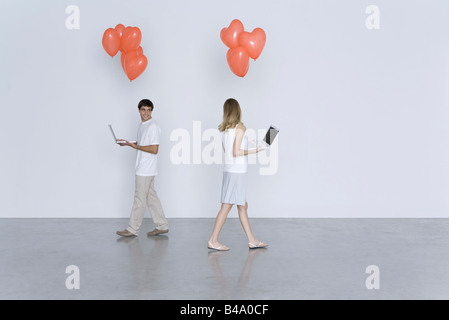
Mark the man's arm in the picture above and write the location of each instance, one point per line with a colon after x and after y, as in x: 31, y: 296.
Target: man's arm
x: 150, y: 149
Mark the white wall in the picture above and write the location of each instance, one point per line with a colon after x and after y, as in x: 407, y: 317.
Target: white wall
x: 363, y: 113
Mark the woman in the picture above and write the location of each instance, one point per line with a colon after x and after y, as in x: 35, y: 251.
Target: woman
x: 233, y: 190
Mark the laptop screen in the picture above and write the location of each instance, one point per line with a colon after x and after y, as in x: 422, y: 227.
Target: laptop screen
x: 270, y: 135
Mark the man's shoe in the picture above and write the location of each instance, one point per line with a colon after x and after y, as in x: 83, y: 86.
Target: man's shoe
x: 156, y: 232
x: 125, y: 233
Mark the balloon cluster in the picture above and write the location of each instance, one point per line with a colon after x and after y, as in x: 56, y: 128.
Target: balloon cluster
x: 127, y: 41
x: 242, y: 46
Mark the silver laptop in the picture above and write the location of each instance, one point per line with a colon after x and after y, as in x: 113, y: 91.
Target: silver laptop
x: 267, y: 140
x: 115, y: 138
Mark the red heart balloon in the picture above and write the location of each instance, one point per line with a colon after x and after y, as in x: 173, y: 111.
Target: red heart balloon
x: 134, y: 64
x: 238, y: 61
x: 139, y: 51
x: 134, y: 53
x: 121, y: 35
x: 111, y: 41
x: 230, y: 35
x: 253, y: 42
x: 130, y: 39
x: 120, y: 29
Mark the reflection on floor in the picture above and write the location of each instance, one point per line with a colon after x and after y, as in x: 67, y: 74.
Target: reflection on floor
x: 306, y: 259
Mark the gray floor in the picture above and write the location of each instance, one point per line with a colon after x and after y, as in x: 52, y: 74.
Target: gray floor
x: 307, y: 259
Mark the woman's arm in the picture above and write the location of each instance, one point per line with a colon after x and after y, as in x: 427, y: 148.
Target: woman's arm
x: 237, y: 149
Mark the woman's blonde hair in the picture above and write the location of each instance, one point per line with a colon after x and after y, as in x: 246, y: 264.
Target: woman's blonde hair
x: 231, y: 115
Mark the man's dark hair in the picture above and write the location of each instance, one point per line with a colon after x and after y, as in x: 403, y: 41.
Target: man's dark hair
x: 145, y: 103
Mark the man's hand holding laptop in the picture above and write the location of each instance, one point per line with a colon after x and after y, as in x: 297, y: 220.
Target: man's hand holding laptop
x: 123, y: 142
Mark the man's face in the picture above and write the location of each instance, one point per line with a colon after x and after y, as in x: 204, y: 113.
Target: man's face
x: 145, y: 113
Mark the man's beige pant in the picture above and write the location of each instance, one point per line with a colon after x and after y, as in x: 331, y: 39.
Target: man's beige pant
x: 144, y: 196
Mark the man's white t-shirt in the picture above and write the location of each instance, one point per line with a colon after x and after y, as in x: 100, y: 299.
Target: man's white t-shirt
x: 148, y: 134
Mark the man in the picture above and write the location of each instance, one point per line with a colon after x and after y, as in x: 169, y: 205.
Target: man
x: 147, y: 147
